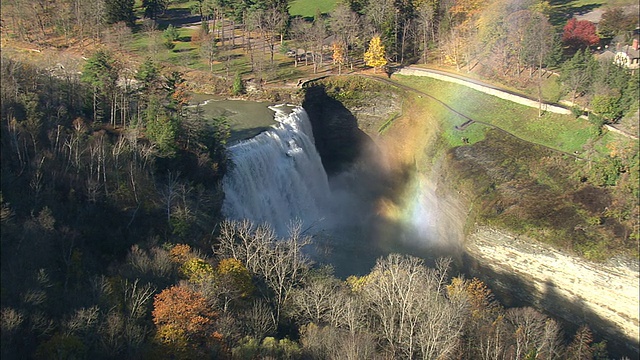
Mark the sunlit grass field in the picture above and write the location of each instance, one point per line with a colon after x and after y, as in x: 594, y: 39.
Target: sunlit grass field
x: 308, y: 8
x: 561, y: 132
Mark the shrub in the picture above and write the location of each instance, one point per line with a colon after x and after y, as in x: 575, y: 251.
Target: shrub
x: 171, y: 33
x: 598, y: 123
x: 238, y: 85
x: 576, y: 110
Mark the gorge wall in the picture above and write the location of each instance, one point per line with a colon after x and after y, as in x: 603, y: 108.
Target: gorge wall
x: 338, y: 137
x: 519, y: 270
x: 524, y: 271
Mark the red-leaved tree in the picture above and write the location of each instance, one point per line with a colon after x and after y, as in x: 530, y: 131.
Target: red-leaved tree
x: 579, y: 34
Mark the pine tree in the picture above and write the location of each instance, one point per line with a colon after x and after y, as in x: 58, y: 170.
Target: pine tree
x: 101, y: 73
x: 120, y: 10
x: 238, y: 85
x: 374, y: 56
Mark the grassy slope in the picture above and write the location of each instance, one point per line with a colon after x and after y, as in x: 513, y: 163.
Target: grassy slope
x: 526, y: 188
x: 561, y: 132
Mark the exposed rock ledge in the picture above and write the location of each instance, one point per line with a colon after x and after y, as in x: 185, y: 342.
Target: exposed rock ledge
x: 575, y: 288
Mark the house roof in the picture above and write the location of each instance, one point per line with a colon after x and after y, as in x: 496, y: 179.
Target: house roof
x: 606, y: 55
x: 630, y: 51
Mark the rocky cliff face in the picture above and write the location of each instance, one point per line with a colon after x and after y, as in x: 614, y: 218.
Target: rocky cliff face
x: 343, y: 130
x: 335, y: 129
x: 521, y: 270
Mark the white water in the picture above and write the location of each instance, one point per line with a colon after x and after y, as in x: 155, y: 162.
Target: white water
x: 277, y: 176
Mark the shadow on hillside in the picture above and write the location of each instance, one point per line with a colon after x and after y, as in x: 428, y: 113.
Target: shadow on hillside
x: 563, y: 10
x: 178, y: 18
x: 185, y: 50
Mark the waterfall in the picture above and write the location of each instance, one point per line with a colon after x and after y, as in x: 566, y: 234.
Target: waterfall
x: 277, y: 176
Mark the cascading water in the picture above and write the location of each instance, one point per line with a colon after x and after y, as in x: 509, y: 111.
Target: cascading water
x: 277, y: 176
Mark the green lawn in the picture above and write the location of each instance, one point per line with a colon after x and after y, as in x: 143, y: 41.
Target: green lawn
x: 561, y: 132
x: 308, y: 8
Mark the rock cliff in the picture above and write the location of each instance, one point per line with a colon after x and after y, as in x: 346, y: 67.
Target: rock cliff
x: 521, y: 270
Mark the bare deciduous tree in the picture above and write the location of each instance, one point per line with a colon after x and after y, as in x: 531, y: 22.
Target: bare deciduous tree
x: 278, y: 262
x: 315, y: 300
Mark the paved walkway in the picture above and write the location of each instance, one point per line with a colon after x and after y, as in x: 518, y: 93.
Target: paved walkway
x: 468, y: 119
x: 483, y: 87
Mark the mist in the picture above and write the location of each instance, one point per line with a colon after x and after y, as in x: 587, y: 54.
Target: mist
x: 380, y: 205
x: 375, y: 205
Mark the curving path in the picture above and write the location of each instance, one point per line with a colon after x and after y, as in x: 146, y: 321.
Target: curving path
x: 485, y: 88
x: 563, y: 108
x: 468, y: 120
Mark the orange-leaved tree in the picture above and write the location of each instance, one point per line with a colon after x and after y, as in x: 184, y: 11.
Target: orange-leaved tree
x: 184, y: 322
x: 375, y: 55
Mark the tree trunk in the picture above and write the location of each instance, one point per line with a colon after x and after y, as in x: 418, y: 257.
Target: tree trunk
x: 425, y: 45
x: 540, y: 88
x: 222, y: 24
x: 94, y: 104
x: 233, y: 34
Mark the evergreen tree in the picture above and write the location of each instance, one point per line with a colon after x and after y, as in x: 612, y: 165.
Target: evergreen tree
x: 161, y: 128
x: 120, y: 10
x: 576, y: 73
x: 149, y: 77
x: 153, y: 8
x: 101, y: 72
x: 238, y: 85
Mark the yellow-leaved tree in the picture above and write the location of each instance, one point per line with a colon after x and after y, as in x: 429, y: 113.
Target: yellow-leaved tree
x: 374, y: 56
x: 339, y: 55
